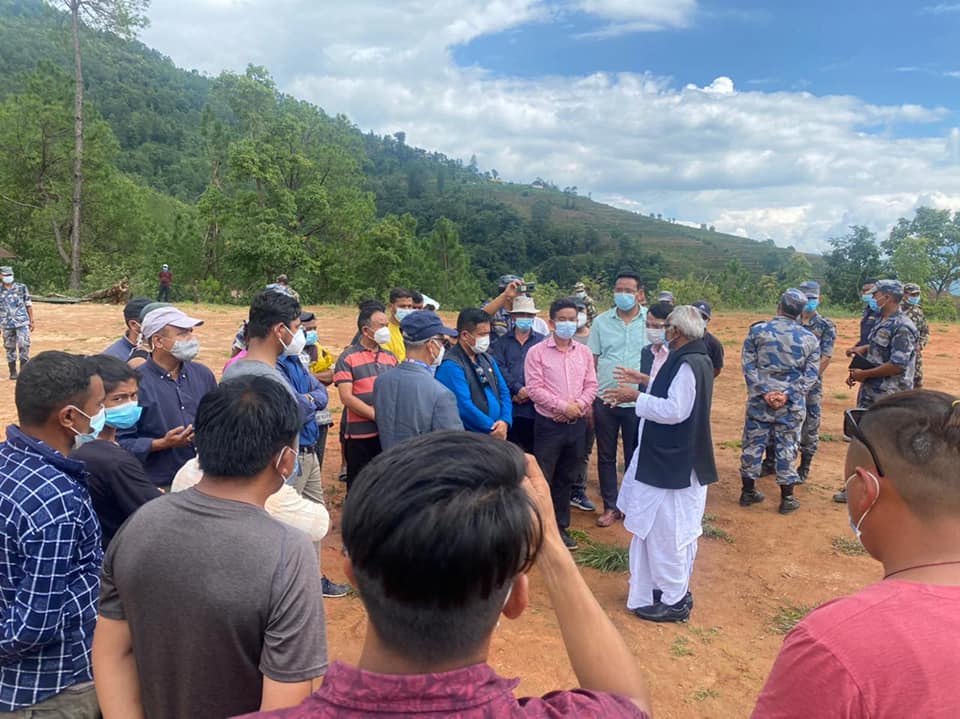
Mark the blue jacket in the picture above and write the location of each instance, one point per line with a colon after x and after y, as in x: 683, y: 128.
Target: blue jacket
x: 451, y: 376
x: 305, y: 384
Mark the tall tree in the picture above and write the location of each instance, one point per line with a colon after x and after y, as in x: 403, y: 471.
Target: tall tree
x: 854, y: 258
x: 121, y: 17
x: 941, y: 230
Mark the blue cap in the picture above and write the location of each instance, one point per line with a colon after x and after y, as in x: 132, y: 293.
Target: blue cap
x: 704, y: 308
x: 811, y: 289
x: 422, y: 325
x: 890, y: 287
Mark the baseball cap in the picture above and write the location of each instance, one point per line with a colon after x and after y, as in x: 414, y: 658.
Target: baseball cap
x: 507, y: 279
x: 6, y: 270
x: 793, y: 301
x: 151, y: 307
x: 811, y: 289
x: 422, y: 325
x: 665, y: 296
x: 156, y: 320
x: 579, y: 287
x: 893, y: 287
x: 704, y: 307
x: 133, y: 308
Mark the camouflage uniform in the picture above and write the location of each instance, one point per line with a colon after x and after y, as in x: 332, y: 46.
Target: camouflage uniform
x: 894, y: 340
x: 779, y: 355
x: 826, y: 333
x: 14, y: 300
x: 923, y: 336
x: 587, y: 300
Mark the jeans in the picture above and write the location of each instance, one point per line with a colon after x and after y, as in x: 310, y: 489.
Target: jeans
x: 609, y: 424
x: 559, y: 449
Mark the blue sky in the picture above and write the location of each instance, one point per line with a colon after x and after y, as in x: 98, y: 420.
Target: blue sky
x: 789, y: 120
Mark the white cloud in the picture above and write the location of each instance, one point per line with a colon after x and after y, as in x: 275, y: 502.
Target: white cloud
x: 788, y: 165
x: 942, y: 8
x: 630, y: 16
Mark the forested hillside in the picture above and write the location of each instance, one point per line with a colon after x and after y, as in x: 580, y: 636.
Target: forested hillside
x: 231, y: 181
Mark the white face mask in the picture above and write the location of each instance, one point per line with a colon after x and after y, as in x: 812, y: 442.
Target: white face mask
x: 296, y: 345
x: 185, y: 350
x: 439, y: 358
x: 8, y: 279
x: 855, y: 526
x: 481, y: 344
x: 656, y: 336
x: 382, y: 336
x: 581, y: 320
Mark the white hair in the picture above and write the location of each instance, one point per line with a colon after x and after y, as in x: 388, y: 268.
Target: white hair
x: 688, y: 321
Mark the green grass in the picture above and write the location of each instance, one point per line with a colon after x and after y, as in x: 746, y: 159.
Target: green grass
x: 702, y: 695
x: 711, y: 531
x: 705, y: 635
x: 829, y: 438
x: 681, y: 647
x: 709, y: 517
x: 579, y: 535
x: 731, y: 444
x: 841, y: 396
x: 850, y: 547
x: 788, y: 616
x: 604, y: 557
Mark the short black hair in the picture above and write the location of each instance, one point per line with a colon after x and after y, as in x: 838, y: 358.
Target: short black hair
x: 437, y: 529
x: 564, y: 303
x: 269, y: 308
x: 469, y: 318
x: 366, y: 312
x: 630, y: 275
x: 242, y: 424
x: 367, y: 302
x: 113, y: 371
x: 48, y: 383
x: 400, y: 293
x: 661, y: 310
x: 417, y: 297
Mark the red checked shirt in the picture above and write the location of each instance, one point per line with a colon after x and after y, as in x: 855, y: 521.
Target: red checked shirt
x: 556, y: 376
x: 474, y: 692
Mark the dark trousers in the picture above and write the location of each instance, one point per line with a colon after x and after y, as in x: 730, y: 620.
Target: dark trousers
x: 521, y: 433
x: 559, y: 450
x: 581, y: 481
x: 359, y: 452
x: 163, y: 293
x: 609, y: 424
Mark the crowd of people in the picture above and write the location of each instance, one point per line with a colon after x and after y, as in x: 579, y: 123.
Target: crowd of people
x: 465, y: 449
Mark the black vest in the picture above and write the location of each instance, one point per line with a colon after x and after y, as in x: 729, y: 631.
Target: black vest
x: 668, y: 452
x: 473, y: 371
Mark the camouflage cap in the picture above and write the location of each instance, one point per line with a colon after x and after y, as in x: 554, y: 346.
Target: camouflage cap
x: 911, y: 288
x: 811, y: 289
x: 793, y: 301
x: 579, y: 287
x: 892, y: 287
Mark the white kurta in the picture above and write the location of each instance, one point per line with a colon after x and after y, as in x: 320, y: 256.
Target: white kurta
x: 666, y: 523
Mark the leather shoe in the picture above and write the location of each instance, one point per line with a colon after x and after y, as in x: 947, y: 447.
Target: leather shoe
x: 840, y: 497
x: 750, y: 496
x: 789, y: 504
x: 609, y: 517
x: 660, y: 612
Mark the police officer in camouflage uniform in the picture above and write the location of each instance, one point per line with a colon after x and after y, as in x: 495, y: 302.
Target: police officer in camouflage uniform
x: 781, y: 365
x: 580, y: 292
x: 892, y: 350
x: 826, y: 333
x: 911, y: 308
x: 16, y: 318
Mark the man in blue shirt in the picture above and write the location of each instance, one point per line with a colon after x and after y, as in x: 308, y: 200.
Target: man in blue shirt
x: 483, y: 396
x: 50, y: 552
x: 124, y: 347
x: 171, y: 388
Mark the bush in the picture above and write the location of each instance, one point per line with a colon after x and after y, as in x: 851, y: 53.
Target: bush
x: 942, y: 310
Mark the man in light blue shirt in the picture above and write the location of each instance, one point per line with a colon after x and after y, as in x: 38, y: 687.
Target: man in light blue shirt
x: 616, y: 340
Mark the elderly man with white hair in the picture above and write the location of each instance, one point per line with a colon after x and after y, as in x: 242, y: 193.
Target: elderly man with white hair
x: 664, y: 490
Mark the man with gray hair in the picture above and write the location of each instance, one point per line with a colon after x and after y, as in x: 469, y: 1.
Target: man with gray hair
x: 407, y: 400
x: 664, y: 490
x: 781, y: 365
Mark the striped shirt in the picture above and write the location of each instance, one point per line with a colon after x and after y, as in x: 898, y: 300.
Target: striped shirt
x: 50, y: 559
x: 361, y: 367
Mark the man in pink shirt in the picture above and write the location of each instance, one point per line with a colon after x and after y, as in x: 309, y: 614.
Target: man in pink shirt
x: 562, y: 384
x: 890, y: 650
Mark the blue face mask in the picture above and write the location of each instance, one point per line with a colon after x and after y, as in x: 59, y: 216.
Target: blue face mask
x: 566, y: 329
x: 96, y: 426
x: 404, y: 313
x: 811, y: 306
x: 123, y: 416
x: 311, y: 337
x: 913, y: 300
x: 524, y: 324
x: 625, y: 301
x: 873, y: 305
x: 866, y: 298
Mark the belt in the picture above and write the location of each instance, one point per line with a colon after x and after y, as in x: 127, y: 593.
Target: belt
x: 309, y: 449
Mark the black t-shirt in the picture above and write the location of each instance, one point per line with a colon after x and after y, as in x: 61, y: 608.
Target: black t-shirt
x: 714, y: 349
x: 117, y: 483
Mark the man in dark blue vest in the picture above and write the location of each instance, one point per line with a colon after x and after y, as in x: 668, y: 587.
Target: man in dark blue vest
x: 664, y: 490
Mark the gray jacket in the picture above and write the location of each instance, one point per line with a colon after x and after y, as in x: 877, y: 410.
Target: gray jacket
x: 410, y: 402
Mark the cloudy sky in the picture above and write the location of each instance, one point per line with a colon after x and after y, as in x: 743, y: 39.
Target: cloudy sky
x: 790, y: 123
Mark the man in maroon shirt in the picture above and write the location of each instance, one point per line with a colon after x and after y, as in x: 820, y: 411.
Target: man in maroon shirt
x: 890, y: 650
x: 166, y: 278
x: 440, y: 533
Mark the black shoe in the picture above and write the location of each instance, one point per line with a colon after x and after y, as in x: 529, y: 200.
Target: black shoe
x: 788, y: 504
x: 803, y: 471
x: 342, y: 477
x: 688, y: 600
x: 13, y: 369
x: 660, y: 612
x: 568, y: 541
x: 840, y: 497
x: 580, y: 500
x: 332, y: 590
x: 750, y: 496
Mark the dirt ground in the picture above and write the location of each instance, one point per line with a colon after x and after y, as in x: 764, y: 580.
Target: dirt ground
x: 769, y: 566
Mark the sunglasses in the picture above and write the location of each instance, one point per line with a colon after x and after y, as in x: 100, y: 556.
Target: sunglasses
x: 851, y: 428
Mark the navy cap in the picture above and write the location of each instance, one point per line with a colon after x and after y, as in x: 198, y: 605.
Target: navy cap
x: 793, y: 301
x: 134, y: 307
x: 422, y: 325
x: 811, y: 289
x: 891, y: 287
x: 704, y: 308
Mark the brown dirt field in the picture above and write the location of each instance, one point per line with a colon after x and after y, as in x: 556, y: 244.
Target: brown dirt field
x: 713, y: 666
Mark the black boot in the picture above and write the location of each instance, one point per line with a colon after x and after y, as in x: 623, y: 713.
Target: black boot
x: 13, y: 369
x: 788, y: 503
x: 804, y: 469
x: 749, y: 495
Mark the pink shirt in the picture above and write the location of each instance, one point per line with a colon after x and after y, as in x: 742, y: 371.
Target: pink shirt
x: 557, y: 376
x: 659, y: 357
x: 236, y: 358
x: 887, y: 652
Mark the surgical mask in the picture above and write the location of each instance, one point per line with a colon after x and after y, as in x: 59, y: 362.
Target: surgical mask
x: 581, y: 319
x: 481, y: 344
x: 913, y: 300
x: 566, y: 329
x: 656, y: 335
x: 96, y: 426
x: 873, y: 305
x: 402, y: 314
x: 185, y: 350
x: 439, y: 358
x: 382, y: 336
x: 625, y: 301
x: 296, y: 345
x: 123, y: 416
x: 581, y: 295
x: 311, y: 337
x: 524, y: 324
x: 855, y: 526
x: 292, y: 478
x: 811, y: 306
x: 8, y: 279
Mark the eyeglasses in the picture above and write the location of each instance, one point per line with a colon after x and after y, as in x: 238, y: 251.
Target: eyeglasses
x: 851, y: 428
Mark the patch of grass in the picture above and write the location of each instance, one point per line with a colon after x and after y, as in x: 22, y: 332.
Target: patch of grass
x: 702, y: 695
x: 731, y: 444
x: 841, y: 396
x: 731, y: 343
x: 788, y: 616
x: 711, y: 531
x: 829, y: 438
x: 944, y: 354
x: 850, y: 547
x: 709, y: 518
x: 604, y: 557
x: 705, y: 635
x: 579, y: 535
x: 681, y: 647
